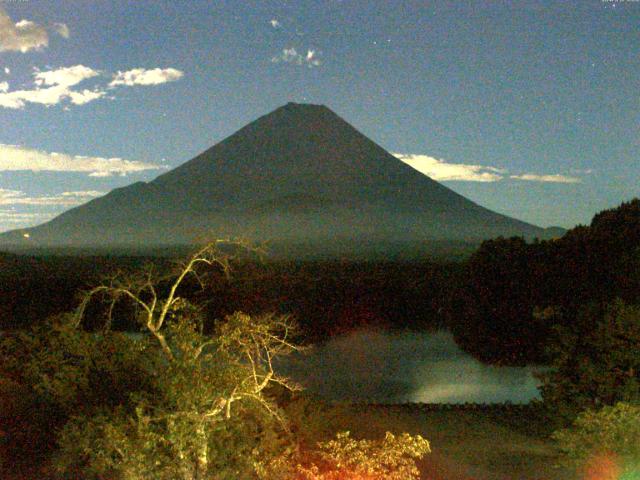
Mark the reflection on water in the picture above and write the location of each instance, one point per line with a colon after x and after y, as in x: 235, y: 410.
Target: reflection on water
x: 392, y: 367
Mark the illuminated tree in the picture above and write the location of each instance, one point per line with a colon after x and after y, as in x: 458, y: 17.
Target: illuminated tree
x: 344, y: 458
x: 171, y: 402
x: 609, y: 437
x: 175, y: 401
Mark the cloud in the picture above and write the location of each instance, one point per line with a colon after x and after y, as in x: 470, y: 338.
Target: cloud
x: 11, y: 216
x: 61, y: 29
x: 17, y: 158
x: 66, y: 76
x: 291, y: 55
x: 21, y: 36
x: 83, y: 193
x: 18, y: 197
x: 85, y: 96
x: 141, y: 76
x: 52, y: 87
x: 441, y: 170
x: 554, y: 178
x: 274, y: 23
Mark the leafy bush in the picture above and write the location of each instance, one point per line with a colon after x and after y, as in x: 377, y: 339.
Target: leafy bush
x: 344, y: 458
x: 611, y: 433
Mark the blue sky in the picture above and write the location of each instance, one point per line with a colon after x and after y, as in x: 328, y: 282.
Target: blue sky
x: 530, y: 108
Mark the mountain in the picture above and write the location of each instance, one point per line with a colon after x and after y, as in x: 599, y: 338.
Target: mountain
x: 298, y: 175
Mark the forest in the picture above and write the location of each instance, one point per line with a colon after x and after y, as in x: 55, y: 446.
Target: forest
x: 571, y: 303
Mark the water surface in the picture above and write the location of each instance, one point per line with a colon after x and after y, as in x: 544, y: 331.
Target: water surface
x: 398, y: 367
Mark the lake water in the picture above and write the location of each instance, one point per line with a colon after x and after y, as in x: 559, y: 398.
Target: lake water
x: 399, y: 367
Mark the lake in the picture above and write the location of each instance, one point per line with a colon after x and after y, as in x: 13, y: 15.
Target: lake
x: 398, y: 367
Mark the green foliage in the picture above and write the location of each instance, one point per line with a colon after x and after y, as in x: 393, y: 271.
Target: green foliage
x: 613, y: 431
x: 344, y: 458
x: 596, y: 363
x: 173, y: 401
x: 203, y: 411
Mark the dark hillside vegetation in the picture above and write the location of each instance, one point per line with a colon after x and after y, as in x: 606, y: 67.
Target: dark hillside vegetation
x: 516, y: 292
x: 326, y: 297
x: 502, y: 302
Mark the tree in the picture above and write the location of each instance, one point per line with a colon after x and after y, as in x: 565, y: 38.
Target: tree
x: 606, y: 438
x: 171, y: 402
x: 345, y: 458
x: 595, y: 361
x: 175, y: 401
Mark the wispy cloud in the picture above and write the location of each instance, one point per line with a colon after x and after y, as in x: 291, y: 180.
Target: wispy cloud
x: 18, y: 197
x: 444, y: 171
x: 4, y: 86
x: 291, y: 55
x: 141, y: 76
x: 22, y: 36
x: 553, y: 178
x: 18, y: 158
x: 274, y: 23
x: 83, y: 193
x: 12, y: 218
x: 17, y: 207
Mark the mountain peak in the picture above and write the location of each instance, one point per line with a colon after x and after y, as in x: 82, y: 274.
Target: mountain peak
x: 300, y: 173
x: 304, y: 106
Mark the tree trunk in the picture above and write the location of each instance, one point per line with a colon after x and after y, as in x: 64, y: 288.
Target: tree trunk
x: 202, y: 458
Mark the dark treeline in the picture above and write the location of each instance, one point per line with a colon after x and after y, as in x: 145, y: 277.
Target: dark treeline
x: 516, y: 293
x: 501, y: 302
x: 325, y: 297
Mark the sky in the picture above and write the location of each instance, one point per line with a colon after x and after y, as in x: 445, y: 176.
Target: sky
x: 529, y: 108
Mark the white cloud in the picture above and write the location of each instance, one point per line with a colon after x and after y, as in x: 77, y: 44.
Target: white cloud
x: 61, y: 29
x: 274, y: 23
x: 554, y: 178
x: 17, y: 158
x: 13, y: 216
x: 83, y: 193
x: 85, y: 96
x: 52, y: 87
x: 441, y: 170
x: 17, y: 197
x: 291, y: 55
x: 7, y: 70
x: 49, y: 206
x: 21, y: 36
x: 66, y: 76
x: 141, y: 76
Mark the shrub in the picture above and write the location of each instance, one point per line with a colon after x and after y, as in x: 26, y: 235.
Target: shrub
x: 610, y: 435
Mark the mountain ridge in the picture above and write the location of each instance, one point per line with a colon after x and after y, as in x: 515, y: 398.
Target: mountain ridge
x: 298, y: 173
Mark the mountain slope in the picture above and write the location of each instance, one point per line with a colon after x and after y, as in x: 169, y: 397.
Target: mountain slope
x: 298, y: 174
